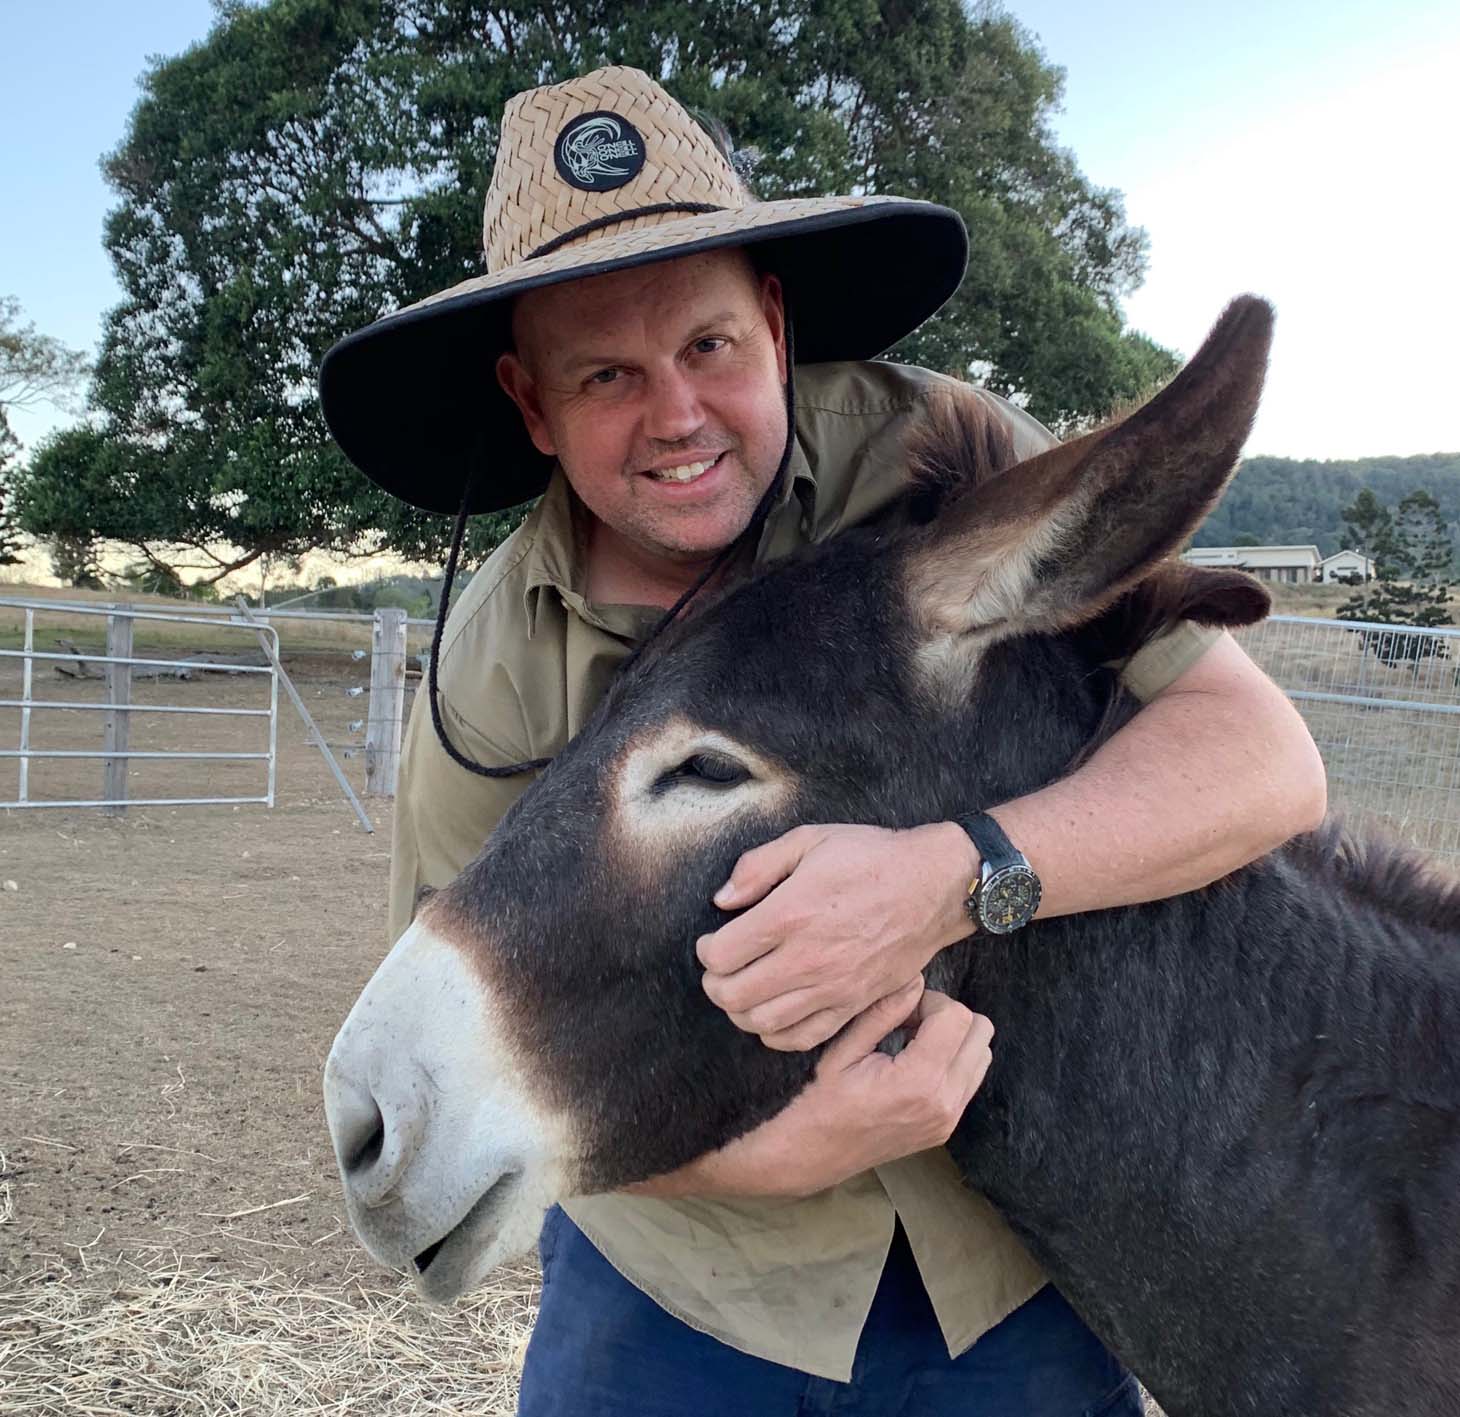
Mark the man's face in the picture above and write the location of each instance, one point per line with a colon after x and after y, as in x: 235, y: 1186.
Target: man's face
x: 661, y: 390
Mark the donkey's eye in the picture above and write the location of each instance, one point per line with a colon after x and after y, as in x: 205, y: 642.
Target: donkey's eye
x: 709, y: 769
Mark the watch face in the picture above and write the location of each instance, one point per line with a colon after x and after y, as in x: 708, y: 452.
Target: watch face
x: 1008, y: 899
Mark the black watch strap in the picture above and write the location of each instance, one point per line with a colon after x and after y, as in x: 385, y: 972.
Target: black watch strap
x: 994, y: 847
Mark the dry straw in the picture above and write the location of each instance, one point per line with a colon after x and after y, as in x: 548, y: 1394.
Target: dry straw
x: 7, y: 1198
x: 174, y: 1341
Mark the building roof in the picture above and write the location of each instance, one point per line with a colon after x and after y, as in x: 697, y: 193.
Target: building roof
x: 1253, y: 555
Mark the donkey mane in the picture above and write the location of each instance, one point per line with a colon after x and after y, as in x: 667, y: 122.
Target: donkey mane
x: 955, y: 445
x: 1413, y: 888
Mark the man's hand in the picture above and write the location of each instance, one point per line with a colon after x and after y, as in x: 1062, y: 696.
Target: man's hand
x: 846, y: 915
x: 863, y: 1108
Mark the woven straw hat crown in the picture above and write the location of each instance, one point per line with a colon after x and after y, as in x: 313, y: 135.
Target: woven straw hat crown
x: 658, y: 157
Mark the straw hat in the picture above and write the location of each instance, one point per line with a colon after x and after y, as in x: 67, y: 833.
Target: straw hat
x: 599, y: 174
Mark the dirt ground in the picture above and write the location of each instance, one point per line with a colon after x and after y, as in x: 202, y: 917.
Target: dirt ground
x: 170, y: 983
x: 173, y: 978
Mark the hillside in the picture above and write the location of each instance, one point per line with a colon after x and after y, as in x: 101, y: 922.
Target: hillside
x: 1294, y: 502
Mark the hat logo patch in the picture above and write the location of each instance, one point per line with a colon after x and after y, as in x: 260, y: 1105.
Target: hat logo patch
x: 598, y: 151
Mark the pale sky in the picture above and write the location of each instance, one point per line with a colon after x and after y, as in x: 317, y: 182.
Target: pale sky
x: 1307, y: 150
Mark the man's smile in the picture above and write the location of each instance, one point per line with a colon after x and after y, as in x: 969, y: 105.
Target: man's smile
x: 687, y: 471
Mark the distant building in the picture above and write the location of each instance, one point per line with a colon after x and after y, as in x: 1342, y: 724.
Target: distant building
x: 1297, y: 565
x: 1346, y: 563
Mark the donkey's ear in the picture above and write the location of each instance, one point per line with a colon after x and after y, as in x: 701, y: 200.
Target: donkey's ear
x: 1054, y: 540
x: 1174, y: 591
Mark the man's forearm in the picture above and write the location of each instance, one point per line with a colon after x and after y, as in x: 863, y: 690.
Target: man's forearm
x: 1210, y: 775
x: 703, y: 1177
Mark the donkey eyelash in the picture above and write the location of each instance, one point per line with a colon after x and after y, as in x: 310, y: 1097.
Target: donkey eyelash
x: 709, y: 769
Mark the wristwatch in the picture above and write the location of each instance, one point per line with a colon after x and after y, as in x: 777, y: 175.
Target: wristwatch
x: 1006, y: 893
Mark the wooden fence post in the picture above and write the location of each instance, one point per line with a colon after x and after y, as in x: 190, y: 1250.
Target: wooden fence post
x: 387, y: 702
x: 117, y: 727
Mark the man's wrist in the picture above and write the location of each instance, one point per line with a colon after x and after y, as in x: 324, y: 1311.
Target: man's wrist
x: 957, y: 866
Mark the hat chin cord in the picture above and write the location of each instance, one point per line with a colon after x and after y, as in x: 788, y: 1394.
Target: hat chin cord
x: 747, y: 537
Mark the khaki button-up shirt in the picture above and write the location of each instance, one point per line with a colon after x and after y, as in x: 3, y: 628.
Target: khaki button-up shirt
x: 525, y: 659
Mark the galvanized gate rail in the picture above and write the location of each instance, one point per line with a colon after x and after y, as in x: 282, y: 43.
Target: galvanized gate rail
x: 1382, y: 701
x: 114, y: 752
x: 1383, y: 705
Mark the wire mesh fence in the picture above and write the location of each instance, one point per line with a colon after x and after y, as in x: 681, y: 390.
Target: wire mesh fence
x: 1383, y: 705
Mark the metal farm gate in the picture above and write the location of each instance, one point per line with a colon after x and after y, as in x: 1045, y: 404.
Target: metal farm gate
x: 117, y: 669
x: 1382, y: 702
x: 1383, y: 705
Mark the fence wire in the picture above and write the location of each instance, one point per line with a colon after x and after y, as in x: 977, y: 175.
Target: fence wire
x: 1383, y: 705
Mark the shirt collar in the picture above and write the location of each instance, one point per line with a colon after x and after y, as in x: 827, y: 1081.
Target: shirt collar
x: 553, y: 560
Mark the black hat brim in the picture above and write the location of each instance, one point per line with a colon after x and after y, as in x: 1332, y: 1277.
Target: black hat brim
x: 413, y: 399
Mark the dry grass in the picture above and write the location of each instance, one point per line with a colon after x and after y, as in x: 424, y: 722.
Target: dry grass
x: 7, y: 1196
x: 172, y: 1338
x: 171, y: 1341
x: 1319, y: 601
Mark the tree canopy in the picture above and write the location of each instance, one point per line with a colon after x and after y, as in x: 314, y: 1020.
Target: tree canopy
x: 1294, y: 501
x: 34, y: 368
x: 314, y: 164
x: 1413, y: 551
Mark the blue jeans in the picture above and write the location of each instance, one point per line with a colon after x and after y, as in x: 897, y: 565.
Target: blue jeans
x: 603, y: 1349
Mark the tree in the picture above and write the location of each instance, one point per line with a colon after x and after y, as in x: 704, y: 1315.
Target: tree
x: 313, y: 164
x: 1413, y: 552
x: 1288, y: 501
x: 34, y: 368
x: 10, y: 543
x: 1371, y: 533
x: 1425, y: 552
x: 75, y: 562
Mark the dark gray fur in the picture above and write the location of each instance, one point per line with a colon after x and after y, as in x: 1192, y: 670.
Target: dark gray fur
x: 1227, y: 1124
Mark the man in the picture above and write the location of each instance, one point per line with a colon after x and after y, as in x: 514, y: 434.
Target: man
x: 629, y: 351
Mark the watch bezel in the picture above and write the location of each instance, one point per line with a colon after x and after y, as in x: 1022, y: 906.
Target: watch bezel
x: 1000, y: 876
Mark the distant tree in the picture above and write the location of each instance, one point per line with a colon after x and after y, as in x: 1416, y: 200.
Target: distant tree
x: 151, y: 579
x: 1426, y: 552
x: 1246, y: 538
x: 1370, y: 531
x: 313, y: 164
x: 10, y: 538
x: 1413, y: 552
x: 76, y: 561
x: 1290, y: 501
x: 34, y: 368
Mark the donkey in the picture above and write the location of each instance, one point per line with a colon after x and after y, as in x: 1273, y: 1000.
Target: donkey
x: 1227, y: 1124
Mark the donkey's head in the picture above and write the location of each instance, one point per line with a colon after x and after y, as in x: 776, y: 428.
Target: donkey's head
x: 540, y: 1030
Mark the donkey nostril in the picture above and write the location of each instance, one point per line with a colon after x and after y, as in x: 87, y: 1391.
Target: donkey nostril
x: 367, y: 1153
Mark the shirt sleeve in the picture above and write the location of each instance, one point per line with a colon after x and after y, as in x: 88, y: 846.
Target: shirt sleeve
x: 443, y: 813
x: 1160, y: 662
